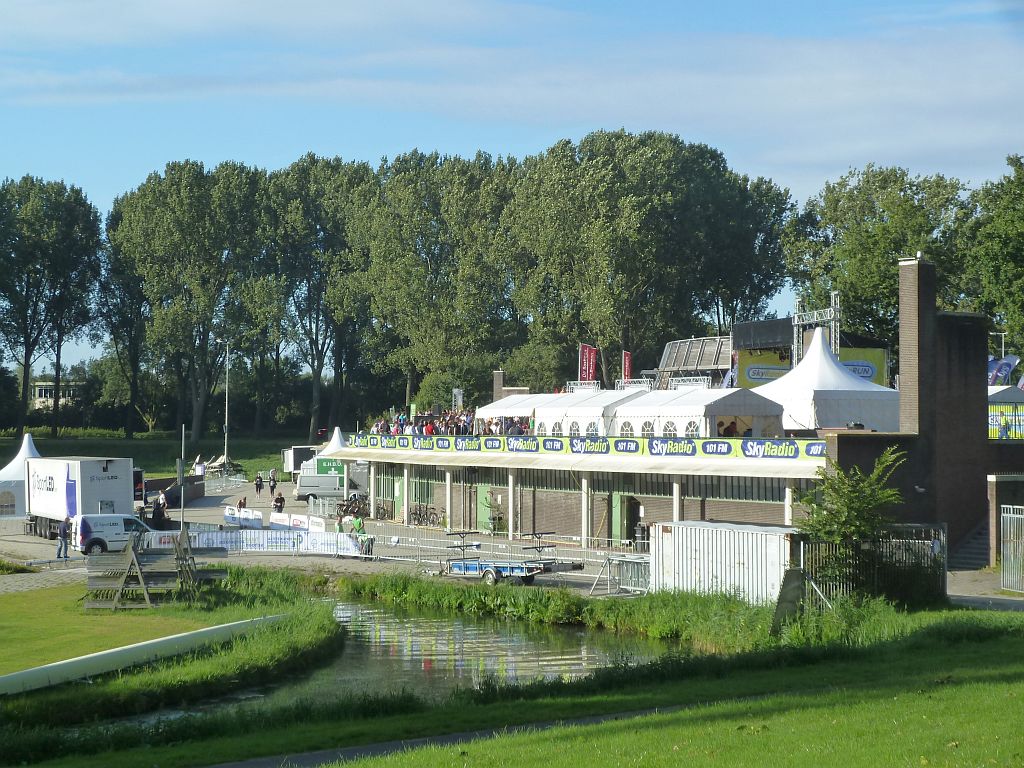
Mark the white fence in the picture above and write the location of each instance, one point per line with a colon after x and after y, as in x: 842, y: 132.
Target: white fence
x: 1012, y: 549
x: 284, y: 542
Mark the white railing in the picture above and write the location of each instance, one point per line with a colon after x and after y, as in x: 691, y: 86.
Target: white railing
x: 643, y: 383
x: 221, y: 483
x: 582, y: 386
x: 685, y: 382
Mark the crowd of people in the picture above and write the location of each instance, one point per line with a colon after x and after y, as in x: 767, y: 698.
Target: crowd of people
x: 449, y: 422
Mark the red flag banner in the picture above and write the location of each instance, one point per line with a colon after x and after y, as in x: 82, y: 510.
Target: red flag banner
x: 627, y: 365
x: 591, y: 364
x: 584, y: 361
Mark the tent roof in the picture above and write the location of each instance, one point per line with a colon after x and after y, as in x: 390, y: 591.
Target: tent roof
x: 821, y: 392
x: 819, y: 371
x: 513, y: 405
x: 336, y: 442
x: 15, y: 470
x: 1005, y: 395
x: 741, y: 402
x: 586, y: 405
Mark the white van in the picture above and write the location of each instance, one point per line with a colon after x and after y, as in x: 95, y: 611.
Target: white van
x: 94, y: 534
x: 318, y: 487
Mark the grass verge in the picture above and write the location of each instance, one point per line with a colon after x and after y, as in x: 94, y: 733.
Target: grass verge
x: 818, y: 706
x: 277, y: 649
x: 7, y: 568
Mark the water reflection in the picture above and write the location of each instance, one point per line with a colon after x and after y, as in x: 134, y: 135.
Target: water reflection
x: 430, y: 655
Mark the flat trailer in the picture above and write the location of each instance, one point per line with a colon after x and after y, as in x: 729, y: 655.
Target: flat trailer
x: 492, y: 571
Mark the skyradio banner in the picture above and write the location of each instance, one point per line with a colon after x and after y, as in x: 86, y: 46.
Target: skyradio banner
x: 660, y: 447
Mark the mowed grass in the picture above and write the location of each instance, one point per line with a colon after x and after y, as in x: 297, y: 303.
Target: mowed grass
x: 922, y: 701
x: 157, y: 456
x: 46, y: 625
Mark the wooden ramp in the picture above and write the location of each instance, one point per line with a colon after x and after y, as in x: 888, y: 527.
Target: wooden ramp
x: 142, y: 578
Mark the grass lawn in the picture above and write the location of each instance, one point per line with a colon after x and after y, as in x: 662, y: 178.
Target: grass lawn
x: 157, y: 456
x: 46, y: 625
x: 925, y: 700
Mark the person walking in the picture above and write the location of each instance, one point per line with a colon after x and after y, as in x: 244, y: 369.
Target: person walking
x: 272, y: 485
x: 63, y: 532
x: 259, y: 485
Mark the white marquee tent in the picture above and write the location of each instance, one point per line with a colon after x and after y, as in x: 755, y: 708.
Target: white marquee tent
x: 582, y: 413
x: 12, y: 480
x: 696, y: 412
x: 336, y: 442
x: 821, y: 392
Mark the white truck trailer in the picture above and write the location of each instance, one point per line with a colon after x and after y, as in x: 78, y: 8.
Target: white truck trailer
x: 292, y: 458
x: 76, y: 485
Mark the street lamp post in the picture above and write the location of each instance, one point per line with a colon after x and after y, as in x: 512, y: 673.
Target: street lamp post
x: 227, y: 373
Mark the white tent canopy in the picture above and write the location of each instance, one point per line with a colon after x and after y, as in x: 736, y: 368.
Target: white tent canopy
x: 582, y: 413
x: 336, y: 442
x: 821, y: 392
x: 696, y: 412
x: 12, y: 479
x: 1005, y: 395
x: 513, y: 406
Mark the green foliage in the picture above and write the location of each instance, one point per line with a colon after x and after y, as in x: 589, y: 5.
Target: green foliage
x: 850, y: 504
x: 6, y: 567
x: 993, y: 237
x: 850, y: 237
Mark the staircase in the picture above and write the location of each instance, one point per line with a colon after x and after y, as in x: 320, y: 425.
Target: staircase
x: 972, y: 554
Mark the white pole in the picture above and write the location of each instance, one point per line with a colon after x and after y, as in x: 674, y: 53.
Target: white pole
x: 787, y: 514
x: 372, y: 490
x: 677, y: 494
x: 585, y: 510
x: 448, y: 499
x: 227, y: 371
x: 511, y: 502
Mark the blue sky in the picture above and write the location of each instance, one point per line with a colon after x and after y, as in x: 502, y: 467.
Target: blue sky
x: 101, y: 93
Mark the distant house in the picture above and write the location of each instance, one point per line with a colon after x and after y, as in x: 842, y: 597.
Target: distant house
x: 42, y: 394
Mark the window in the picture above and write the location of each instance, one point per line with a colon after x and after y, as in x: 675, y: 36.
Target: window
x: 540, y: 428
x: 669, y: 430
x: 692, y: 429
x: 647, y: 430
x: 574, y: 429
x: 592, y: 429
x: 626, y: 430
x: 556, y: 429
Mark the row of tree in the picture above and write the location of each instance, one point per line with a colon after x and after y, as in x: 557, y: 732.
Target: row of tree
x: 429, y: 272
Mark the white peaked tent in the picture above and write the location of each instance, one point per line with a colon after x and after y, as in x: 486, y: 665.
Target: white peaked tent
x: 12, y: 479
x: 821, y: 392
x: 336, y: 443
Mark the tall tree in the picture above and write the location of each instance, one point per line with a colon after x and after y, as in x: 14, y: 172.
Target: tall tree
x: 187, y: 231
x: 307, y: 237
x: 53, y: 225
x: 621, y: 242
x: 850, y: 237
x: 993, y: 237
x: 74, y: 267
x: 122, y: 313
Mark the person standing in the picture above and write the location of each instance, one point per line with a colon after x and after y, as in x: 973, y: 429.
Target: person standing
x: 63, y: 531
x: 272, y: 485
x: 259, y: 485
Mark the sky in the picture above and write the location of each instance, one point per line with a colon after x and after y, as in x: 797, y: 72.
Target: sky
x: 101, y: 93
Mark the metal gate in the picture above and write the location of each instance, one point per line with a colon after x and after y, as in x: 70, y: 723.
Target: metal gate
x: 1012, y: 549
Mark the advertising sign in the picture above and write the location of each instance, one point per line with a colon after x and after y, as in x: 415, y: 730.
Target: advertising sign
x: 583, y: 445
x: 329, y: 466
x: 52, y: 487
x: 627, y: 364
x: 871, y: 364
x: 757, y: 366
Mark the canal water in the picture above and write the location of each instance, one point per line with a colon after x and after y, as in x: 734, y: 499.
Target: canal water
x: 429, y: 655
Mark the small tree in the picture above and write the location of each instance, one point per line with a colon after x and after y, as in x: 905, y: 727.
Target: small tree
x: 849, y: 504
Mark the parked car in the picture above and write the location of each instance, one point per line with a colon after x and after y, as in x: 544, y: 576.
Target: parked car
x: 95, y: 534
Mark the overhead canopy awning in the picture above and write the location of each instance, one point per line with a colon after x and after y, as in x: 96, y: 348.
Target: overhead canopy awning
x: 668, y: 465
